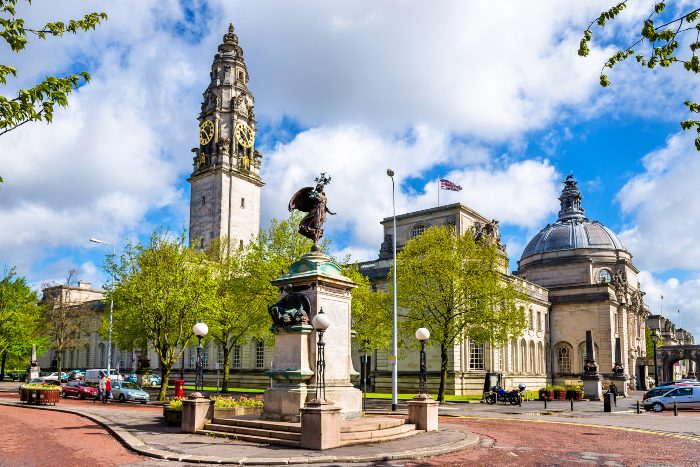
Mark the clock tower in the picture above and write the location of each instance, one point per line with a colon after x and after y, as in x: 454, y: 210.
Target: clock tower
x: 225, y: 181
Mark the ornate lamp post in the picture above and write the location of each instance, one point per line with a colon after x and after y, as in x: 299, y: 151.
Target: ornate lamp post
x: 200, y: 330
x: 320, y: 322
x: 655, y: 339
x: 422, y: 334
x: 111, y: 309
x: 395, y: 351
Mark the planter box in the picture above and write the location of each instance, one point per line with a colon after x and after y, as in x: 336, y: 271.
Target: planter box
x: 172, y: 417
x: 22, y: 395
x: 575, y: 395
x: 549, y: 395
x: 560, y: 395
x: 236, y: 412
x: 40, y: 396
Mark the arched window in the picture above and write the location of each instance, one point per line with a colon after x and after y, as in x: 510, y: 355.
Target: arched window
x: 563, y: 353
x: 540, y: 359
x: 522, y: 357
x: 532, y: 367
x: 511, y: 356
x: 417, y: 230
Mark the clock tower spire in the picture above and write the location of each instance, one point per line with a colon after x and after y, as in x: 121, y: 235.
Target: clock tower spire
x: 225, y: 181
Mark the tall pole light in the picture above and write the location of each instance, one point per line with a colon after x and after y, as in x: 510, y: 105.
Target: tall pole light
x: 422, y: 334
x: 320, y: 322
x: 655, y: 339
x: 200, y: 330
x: 395, y: 351
x: 111, y: 310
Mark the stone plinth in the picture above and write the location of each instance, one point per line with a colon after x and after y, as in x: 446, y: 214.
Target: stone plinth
x: 290, y: 371
x: 620, y: 381
x: 423, y: 412
x: 196, y: 412
x: 592, y: 386
x: 320, y: 425
x: 319, y: 278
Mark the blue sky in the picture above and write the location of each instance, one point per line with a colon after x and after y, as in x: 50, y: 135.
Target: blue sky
x: 500, y: 104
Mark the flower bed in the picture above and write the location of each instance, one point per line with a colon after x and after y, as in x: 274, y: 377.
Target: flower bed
x: 229, y: 407
x: 547, y: 393
x: 559, y: 393
x: 39, y: 393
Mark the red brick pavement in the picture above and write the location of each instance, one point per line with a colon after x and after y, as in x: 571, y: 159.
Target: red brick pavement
x: 44, y: 438
x: 516, y: 443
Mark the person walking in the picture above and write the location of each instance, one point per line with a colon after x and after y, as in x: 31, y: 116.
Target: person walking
x: 100, y: 387
x: 108, y: 390
x: 613, y: 391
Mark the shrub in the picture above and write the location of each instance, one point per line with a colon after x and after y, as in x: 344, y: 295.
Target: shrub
x: 47, y: 387
x: 558, y: 388
x: 175, y: 404
x: 221, y: 402
x: 574, y: 387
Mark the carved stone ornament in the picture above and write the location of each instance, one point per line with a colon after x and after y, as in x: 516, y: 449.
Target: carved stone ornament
x: 291, y: 309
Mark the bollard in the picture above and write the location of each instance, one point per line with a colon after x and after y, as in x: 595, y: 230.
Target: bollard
x: 675, y: 409
x: 572, y: 404
x: 638, y: 412
x: 520, y: 401
x: 545, y: 402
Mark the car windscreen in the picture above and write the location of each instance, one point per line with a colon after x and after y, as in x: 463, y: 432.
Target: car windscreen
x: 128, y: 385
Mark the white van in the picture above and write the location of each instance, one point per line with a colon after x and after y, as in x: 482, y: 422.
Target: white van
x: 93, y: 376
x: 685, y: 397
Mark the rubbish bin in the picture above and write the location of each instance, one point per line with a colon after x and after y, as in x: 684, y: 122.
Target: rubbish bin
x: 179, y: 388
x: 608, y: 402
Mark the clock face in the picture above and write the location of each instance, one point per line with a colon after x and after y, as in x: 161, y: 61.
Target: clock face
x: 206, y: 132
x: 244, y: 134
x: 603, y: 276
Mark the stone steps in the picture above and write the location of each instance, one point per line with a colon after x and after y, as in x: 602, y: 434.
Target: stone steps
x: 359, y: 431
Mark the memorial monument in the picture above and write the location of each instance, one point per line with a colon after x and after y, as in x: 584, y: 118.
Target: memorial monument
x: 312, y: 283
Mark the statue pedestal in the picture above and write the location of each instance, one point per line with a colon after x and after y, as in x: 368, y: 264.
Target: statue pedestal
x: 620, y: 381
x: 34, y: 372
x: 290, y: 372
x: 319, y: 279
x: 592, y: 386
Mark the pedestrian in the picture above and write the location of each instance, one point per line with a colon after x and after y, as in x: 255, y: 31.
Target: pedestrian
x: 613, y: 391
x: 108, y: 390
x: 100, y: 387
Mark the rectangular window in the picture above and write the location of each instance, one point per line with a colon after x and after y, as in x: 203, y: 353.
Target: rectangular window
x: 242, y: 203
x: 192, y: 361
x: 205, y: 357
x: 220, y: 356
x: 260, y: 354
x: 539, y: 322
x: 476, y: 356
x: 237, y: 356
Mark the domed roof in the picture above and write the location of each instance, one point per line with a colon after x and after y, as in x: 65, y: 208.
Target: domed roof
x: 572, y: 229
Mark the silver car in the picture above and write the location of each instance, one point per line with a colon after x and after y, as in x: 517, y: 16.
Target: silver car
x: 128, y: 391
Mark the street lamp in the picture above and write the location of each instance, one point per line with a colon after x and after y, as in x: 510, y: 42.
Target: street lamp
x: 320, y: 322
x: 111, y: 309
x: 655, y: 339
x: 395, y: 351
x: 200, y: 330
x: 422, y: 334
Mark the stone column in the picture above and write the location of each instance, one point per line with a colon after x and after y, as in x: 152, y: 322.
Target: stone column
x: 423, y: 412
x: 319, y: 278
x: 320, y: 425
x: 196, y: 412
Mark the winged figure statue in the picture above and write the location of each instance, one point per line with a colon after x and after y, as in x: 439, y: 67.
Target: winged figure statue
x: 312, y: 200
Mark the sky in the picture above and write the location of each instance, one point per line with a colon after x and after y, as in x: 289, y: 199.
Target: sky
x: 497, y: 101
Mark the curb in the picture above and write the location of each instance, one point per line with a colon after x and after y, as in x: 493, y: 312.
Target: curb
x: 132, y: 443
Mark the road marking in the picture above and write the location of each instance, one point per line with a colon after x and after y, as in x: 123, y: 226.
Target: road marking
x: 589, y: 425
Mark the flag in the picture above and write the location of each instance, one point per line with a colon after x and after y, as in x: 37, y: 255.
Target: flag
x: 448, y: 185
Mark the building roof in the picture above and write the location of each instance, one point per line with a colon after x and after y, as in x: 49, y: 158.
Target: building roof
x: 572, y: 229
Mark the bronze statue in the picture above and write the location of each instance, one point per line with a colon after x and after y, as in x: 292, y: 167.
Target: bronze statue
x: 312, y: 200
x: 291, y: 309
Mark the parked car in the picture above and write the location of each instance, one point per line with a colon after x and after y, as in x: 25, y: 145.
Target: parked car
x: 657, y: 391
x: 131, y: 377
x: 127, y: 391
x: 76, y: 374
x: 79, y: 389
x: 54, y: 376
x: 154, y: 380
x: 684, y: 397
x: 93, y: 376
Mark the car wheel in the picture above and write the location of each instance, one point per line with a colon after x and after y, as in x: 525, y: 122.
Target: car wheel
x: 122, y: 398
x: 81, y: 396
x: 657, y: 407
x: 144, y: 402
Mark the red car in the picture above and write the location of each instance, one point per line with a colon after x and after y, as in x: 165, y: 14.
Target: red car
x: 79, y: 389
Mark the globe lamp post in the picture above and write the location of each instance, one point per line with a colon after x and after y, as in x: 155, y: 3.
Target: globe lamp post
x: 395, y: 351
x: 111, y: 310
x: 320, y: 322
x: 200, y: 330
x: 655, y: 339
x: 422, y: 334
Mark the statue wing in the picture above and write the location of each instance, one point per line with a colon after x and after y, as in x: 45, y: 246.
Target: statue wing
x: 303, y: 200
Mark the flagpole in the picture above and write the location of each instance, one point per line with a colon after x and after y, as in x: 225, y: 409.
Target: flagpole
x: 438, y: 191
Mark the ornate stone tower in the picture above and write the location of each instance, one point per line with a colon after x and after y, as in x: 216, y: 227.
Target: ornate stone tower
x: 225, y: 181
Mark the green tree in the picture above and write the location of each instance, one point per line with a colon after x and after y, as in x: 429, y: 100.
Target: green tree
x: 160, y: 291
x: 455, y: 287
x: 657, y: 45
x: 20, y: 321
x: 68, y: 322
x: 37, y: 103
x: 371, y: 312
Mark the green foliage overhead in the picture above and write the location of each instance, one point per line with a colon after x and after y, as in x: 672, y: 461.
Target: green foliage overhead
x: 37, y: 102
x: 453, y: 285
x: 160, y: 290
x: 21, y: 320
x: 657, y: 45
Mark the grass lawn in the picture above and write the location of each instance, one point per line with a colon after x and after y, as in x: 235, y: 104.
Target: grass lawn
x: 214, y: 389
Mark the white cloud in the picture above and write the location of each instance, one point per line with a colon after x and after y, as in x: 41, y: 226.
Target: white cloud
x: 683, y: 295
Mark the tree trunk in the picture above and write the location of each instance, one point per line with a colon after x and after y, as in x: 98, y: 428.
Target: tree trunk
x: 2, y: 366
x: 164, y: 380
x: 227, y: 367
x: 59, y: 365
x: 443, y: 372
